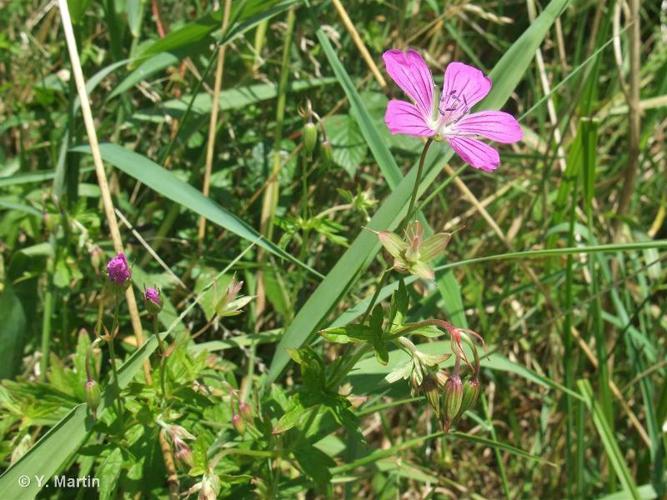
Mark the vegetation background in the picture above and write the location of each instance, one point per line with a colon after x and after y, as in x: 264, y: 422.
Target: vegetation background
x: 556, y: 259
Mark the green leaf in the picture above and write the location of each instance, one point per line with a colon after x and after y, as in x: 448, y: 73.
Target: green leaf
x: 349, y: 147
x: 13, y: 332
x: 314, y: 462
x: 168, y: 185
x: 506, y: 75
x: 77, y: 8
x: 291, y: 418
x: 108, y: 473
x: 348, y: 334
x: 195, y: 36
x: 609, y: 441
x: 236, y: 98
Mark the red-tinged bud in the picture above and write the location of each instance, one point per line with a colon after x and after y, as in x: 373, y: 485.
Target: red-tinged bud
x: 93, y: 395
x: 238, y: 423
x: 245, y: 410
x: 309, y: 137
x: 453, y: 398
x: 183, y: 452
x: 471, y: 389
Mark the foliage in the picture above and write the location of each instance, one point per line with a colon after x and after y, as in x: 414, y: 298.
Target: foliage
x: 362, y: 314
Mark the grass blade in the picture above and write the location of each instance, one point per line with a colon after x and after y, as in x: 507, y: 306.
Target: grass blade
x: 167, y: 184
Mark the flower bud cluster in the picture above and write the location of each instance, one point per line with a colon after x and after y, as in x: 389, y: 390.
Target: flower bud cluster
x: 450, y: 394
x: 178, y: 436
x: 243, y: 417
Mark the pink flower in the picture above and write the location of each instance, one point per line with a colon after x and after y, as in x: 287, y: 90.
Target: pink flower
x: 464, y: 86
x: 119, y: 270
x: 153, y: 300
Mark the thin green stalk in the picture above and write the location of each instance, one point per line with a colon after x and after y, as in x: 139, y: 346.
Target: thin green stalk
x: 499, y: 457
x: 435, y: 192
x: 271, y: 193
x: 420, y: 170
x: 163, y: 360
x: 46, y: 319
x: 112, y: 355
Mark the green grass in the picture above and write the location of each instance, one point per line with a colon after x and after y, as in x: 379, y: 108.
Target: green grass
x: 567, y: 290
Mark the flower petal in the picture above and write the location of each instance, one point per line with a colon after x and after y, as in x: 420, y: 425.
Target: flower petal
x: 495, y: 125
x: 411, y: 73
x: 404, y: 118
x: 475, y: 152
x: 463, y: 87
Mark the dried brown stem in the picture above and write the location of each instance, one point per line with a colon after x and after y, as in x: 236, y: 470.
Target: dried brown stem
x: 107, y: 202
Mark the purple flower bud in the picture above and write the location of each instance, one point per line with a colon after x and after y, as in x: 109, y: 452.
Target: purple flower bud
x: 119, y: 271
x: 153, y: 300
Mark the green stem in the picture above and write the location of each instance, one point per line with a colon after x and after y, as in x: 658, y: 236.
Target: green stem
x: 420, y: 170
x: 46, y: 319
x: 163, y: 360
x: 112, y: 354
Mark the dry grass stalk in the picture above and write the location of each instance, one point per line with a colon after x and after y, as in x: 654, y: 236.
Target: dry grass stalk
x: 107, y: 202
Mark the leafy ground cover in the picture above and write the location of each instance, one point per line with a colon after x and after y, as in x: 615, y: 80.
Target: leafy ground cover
x: 232, y: 265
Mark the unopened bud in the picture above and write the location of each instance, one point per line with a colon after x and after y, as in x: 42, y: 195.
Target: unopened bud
x: 309, y: 137
x: 153, y: 300
x: 245, y: 410
x: 93, y: 395
x: 238, y: 423
x: 183, y: 452
x: 452, y: 399
x: 470, y: 394
x: 327, y: 152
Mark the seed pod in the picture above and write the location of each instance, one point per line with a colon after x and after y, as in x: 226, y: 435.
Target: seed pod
x: 93, y: 395
x: 453, y: 398
x: 309, y: 137
x: 470, y: 394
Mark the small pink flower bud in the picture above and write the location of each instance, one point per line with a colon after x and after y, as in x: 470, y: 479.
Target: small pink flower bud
x: 183, y: 452
x: 153, y: 300
x: 119, y: 271
x: 245, y: 410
